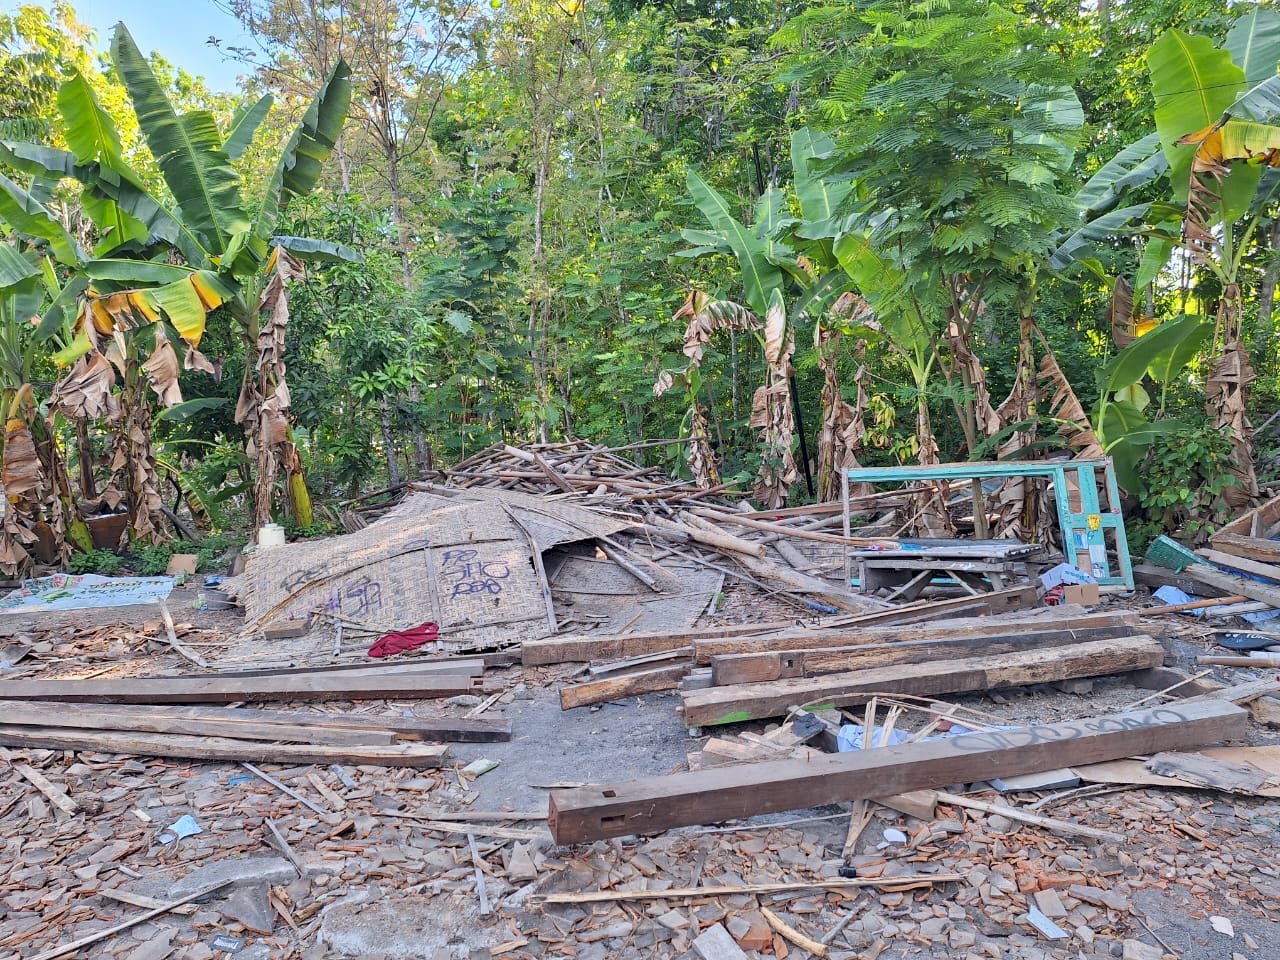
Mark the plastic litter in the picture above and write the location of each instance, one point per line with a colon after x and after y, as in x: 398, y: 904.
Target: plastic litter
x: 184, y: 826
x: 1046, y: 926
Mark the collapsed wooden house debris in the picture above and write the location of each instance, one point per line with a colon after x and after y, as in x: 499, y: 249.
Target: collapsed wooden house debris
x: 580, y: 649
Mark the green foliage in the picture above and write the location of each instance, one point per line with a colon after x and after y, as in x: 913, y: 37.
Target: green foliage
x: 152, y: 560
x: 105, y: 562
x: 1185, y: 475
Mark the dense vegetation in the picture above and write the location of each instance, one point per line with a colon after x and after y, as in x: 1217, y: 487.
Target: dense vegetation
x: 853, y: 232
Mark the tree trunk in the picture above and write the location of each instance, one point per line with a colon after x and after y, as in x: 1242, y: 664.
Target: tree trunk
x: 136, y: 458
x: 421, y: 448
x: 1267, y: 289
x: 389, y: 442
x: 1227, y: 395
x: 538, y: 306
x: 84, y: 450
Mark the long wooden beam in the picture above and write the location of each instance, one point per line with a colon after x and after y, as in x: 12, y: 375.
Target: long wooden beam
x: 1270, y: 571
x: 200, y: 690
x: 1252, y: 548
x: 130, y: 717
x: 580, y: 648
x: 1268, y: 593
x: 614, y: 646
x: 655, y: 804
x: 444, y: 666
x: 242, y: 724
x: 761, y: 667
x: 220, y: 748
x: 704, y: 650
x: 756, y: 701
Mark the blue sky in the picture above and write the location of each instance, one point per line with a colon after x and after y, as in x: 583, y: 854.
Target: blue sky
x: 177, y: 29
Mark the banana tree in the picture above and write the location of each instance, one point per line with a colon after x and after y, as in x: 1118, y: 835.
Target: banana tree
x: 1215, y: 108
x: 1120, y: 417
x: 779, y: 254
x: 1197, y: 86
x: 704, y: 317
x: 764, y: 259
x: 39, y: 507
x: 233, y: 258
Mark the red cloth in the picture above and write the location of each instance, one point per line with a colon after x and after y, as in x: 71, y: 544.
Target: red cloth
x: 401, y: 641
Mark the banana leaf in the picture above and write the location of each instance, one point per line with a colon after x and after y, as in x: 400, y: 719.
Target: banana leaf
x: 187, y: 148
x: 316, y: 135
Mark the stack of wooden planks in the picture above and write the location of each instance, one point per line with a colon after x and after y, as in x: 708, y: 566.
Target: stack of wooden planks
x: 754, y: 684
x: 735, y: 674
x: 139, y: 716
x: 646, y: 662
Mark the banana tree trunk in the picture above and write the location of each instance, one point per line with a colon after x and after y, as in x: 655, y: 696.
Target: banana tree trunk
x: 1227, y: 394
x: 263, y: 406
x: 1267, y: 289
x: 84, y: 452
x: 842, y: 425
x: 135, y: 461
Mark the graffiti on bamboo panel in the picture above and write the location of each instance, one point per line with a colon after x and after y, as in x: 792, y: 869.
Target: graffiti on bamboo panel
x: 1044, y: 733
x: 466, y: 574
x: 361, y: 597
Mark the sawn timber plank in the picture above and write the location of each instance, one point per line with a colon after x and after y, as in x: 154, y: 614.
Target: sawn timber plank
x: 704, y: 650
x: 144, y: 719
x: 307, y: 726
x: 626, y: 685
x: 760, y: 667
x: 1268, y: 593
x: 1250, y: 548
x: 616, y: 646
x: 716, y: 705
x: 654, y: 804
x: 221, y: 748
x: 200, y: 690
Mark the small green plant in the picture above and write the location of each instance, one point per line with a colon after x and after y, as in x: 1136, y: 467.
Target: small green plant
x: 151, y: 561
x: 1184, y: 478
x: 213, y: 547
x: 96, y: 561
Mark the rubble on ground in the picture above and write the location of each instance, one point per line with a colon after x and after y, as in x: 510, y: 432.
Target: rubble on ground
x: 1065, y: 781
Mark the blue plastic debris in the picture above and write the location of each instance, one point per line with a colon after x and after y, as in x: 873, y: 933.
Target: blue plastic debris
x: 184, y: 826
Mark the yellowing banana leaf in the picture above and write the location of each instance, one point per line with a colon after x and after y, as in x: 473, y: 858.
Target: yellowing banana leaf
x: 186, y: 303
x: 1194, y: 83
x: 184, y: 308
x: 73, y: 351
x: 1220, y: 144
x: 211, y: 290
